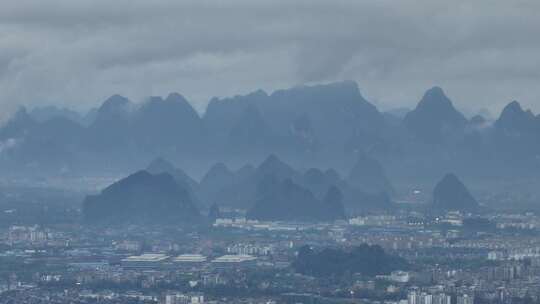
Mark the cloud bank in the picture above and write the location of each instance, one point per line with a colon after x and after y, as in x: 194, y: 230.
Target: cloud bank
x: 77, y: 53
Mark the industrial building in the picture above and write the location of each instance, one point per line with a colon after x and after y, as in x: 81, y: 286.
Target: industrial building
x: 234, y: 261
x: 189, y: 261
x: 145, y: 261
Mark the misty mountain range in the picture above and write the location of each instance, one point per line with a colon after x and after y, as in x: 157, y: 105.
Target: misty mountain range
x: 323, y: 126
x: 243, y: 188
x: 272, y: 191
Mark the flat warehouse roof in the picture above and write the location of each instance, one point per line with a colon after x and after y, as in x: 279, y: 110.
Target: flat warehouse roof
x: 190, y: 258
x: 234, y: 258
x: 147, y: 257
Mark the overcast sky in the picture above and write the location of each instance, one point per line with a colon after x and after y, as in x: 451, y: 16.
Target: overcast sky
x: 484, y: 53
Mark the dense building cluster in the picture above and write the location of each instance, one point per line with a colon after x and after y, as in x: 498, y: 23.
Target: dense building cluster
x: 246, y: 261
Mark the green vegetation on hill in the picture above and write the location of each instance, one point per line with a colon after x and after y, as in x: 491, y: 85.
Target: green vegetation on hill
x: 365, y: 259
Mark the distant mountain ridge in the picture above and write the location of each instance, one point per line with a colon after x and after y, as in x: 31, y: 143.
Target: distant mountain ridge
x: 368, y: 175
x: 287, y: 201
x: 242, y: 188
x: 141, y: 198
x: 273, y: 191
x: 434, y: 117
x: 320, y: 126
x: 160, y: 165
x: 451, y: 194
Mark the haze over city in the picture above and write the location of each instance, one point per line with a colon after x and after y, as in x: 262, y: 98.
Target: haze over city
x: 269, y: 152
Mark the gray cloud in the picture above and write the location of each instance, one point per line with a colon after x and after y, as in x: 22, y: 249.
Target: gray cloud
x: 76, y: 53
